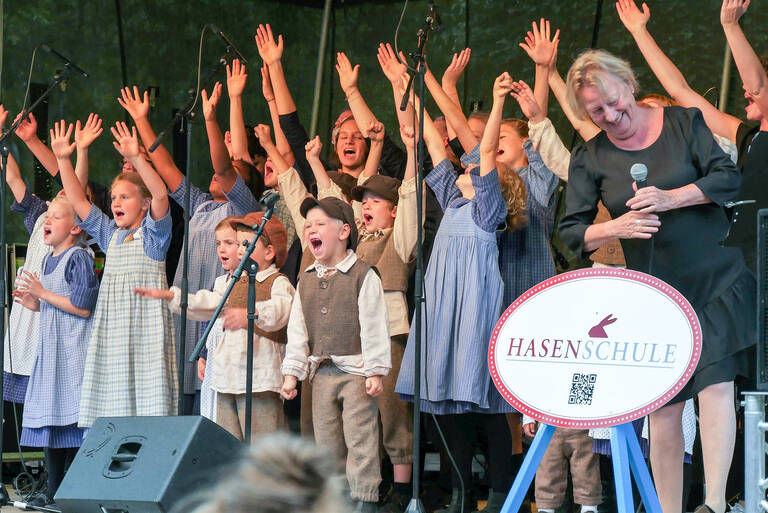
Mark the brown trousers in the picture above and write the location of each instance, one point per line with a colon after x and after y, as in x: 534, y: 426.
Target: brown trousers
x: 345, y: 419
x: 572, y: 446
x: 266, y: 413
x: 396, y: 414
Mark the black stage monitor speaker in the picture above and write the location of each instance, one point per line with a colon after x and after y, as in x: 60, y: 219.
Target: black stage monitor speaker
x: 145, y: 464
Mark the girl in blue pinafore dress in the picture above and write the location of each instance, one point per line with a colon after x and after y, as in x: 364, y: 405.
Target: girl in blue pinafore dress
x: 464, y: 300
x: 130, y: 369
x: 65, y: 294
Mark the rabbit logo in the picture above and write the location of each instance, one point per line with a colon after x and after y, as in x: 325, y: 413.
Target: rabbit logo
x: 598, y: 330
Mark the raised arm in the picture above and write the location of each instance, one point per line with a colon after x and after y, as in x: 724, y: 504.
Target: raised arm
x: 376, y: 134
x: 62, y: 149
x: 236, y: 80
x: 348, y: 79
x: 394, y: 70
x: 751, y: 71
x: 27, y: 132
x: 84, y: 137
x: 407, y: 136
x: 138, y: 107
x: 262, y: 133
x: 220, y: 157
x: 269, y: 95
x: 271, y: 53
x: 452, y: 112
x: 127, y: 144
x: 668, y: 74
x: 313, y: 148
x: 12, y: 172
x: 542, y: 50
x: 489, y: 145
x: 451, y: 77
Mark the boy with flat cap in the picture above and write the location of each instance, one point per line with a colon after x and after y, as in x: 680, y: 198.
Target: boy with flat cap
x: 338, y: 337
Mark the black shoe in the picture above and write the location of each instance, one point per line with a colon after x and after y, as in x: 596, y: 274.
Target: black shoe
x: 394, y: 502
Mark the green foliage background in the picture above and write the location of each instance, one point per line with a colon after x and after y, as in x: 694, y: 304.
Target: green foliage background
x: 162, y: 38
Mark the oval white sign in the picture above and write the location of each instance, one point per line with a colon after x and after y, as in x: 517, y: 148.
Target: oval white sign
x: 594, y: 348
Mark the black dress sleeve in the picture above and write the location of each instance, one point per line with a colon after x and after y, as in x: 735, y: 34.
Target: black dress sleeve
x: 393, y: 159
x: 719, y: 179
x: 582, y: 196
x: 297, y: 138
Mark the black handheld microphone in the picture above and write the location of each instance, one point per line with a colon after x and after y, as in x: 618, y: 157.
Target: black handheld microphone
x: 229, y: 43
x: 639, y: 173
x: 66, y: 61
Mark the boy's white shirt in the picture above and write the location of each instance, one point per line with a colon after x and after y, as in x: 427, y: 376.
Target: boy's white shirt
x: 229, y: 362
x: 375, y: 358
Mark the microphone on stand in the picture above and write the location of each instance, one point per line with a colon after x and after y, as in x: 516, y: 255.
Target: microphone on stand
x: 269, y: 200
x: 433, y: 18
x: 68, y: 63
x: 229, y: 43
x: 639, y: 173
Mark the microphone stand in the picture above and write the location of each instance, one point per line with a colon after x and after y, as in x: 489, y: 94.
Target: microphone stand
x: 419, y: 70
x: 186, y: 116
x: 249, y: 265
x: 4, y: 151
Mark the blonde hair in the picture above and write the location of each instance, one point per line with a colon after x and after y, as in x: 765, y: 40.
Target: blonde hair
x: 590, y: 69
x: 512, y: 186
x: 79, y: 238
x: 282, y: 474
x: 136, y: 180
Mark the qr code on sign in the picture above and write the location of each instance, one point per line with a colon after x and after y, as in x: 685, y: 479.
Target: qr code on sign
x: 582, y: 388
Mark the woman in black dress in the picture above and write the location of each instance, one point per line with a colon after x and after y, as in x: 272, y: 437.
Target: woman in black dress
x: 689, y: 178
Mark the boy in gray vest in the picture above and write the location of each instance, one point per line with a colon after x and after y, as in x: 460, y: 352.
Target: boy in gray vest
x: 338, y: 337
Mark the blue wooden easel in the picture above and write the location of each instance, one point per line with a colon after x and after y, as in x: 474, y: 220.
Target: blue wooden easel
x: 627, y: 459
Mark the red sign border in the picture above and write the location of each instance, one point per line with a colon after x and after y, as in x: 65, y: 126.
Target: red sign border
x: 627, y: 274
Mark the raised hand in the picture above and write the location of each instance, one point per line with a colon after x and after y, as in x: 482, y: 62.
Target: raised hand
x: 392, y: 68
x: 732, y: 10
x: 269, y: 50
x: 407, y: 136
x: 313, y: 148
x: 86, y: 134
x: 60, y: 135
x: 210, y: 102
x: 132, y: 101
x: 524, y: 96
x: 538, y: 44
x: 456, y: 67
x: 27, y: 129
x: 633, y: 18
x: 126, y: 141
x: 347, y: 73
x: 3, y: 116
x: 376, y: 131
x: 263, y: 133
x: 236, y: 78
x: 266, y: 84
x: 502, y: 86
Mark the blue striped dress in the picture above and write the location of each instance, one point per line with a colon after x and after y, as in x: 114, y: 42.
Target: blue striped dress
x: 463, y: 290
x: 52, y: 402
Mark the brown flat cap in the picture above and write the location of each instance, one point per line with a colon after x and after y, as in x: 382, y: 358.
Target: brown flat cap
x: 345, y: 181
x: 274, y: 231
x: 382, y: 186
x: 337, y: 209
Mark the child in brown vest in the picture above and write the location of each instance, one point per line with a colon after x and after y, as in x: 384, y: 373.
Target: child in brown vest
x: 338, y: 337
x: 385, y: 214
x: 274, y: 294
